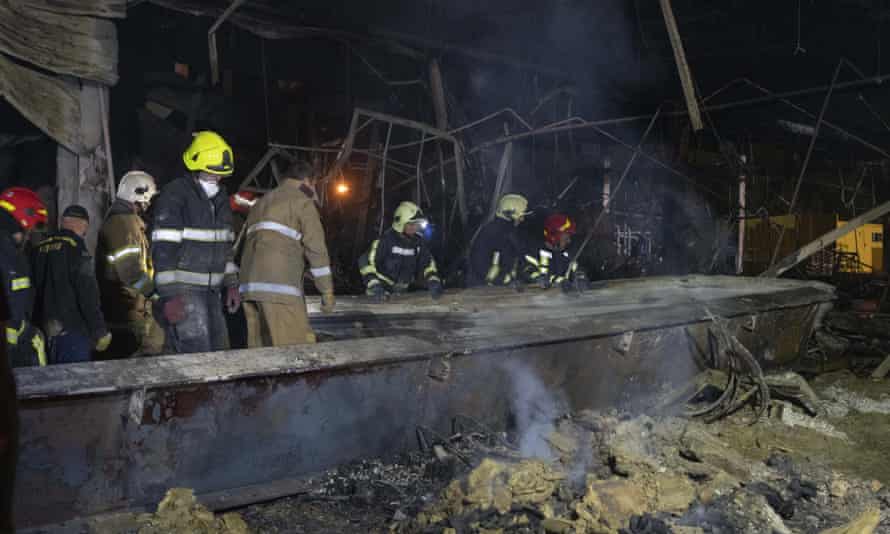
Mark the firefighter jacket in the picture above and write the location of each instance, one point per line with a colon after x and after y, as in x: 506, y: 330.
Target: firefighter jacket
x: 284, y: 232
x: 16, y: 279
x: 495, y: 255
x: 123, y: 263
x: 556, y: 265
x: 67, y: 295
x: 191, y: 240
x: 397, y: 260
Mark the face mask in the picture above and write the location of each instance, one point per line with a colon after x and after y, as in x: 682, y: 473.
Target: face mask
x: 210, y: 188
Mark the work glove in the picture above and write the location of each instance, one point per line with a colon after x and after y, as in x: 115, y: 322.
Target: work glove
x: 516, y: 285
x: 377, y: 292
x: 328, y: 302
x: 543, y: 281
x: 173, y: 309
x: 39, y: 347
x: 233, y: 299
x: 103, y: 342
x: 436, y: 289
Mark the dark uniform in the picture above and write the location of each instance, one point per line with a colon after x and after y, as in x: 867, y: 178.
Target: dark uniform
x: 25, y: 343
x: 126, y: 280
x: 67, y: 303
x: 191, y: 251
x: 9, y: 423
x: 396, y: 261
x: 554, y: 266
x: 496, y: 254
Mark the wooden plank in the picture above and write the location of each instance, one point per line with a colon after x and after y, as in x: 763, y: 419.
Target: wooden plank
x: 84, y: 47
x: 219, y: 501
x: 682, y: 65
x: 825, y: 240
x: 116, y: 9
x: 50, y: 103
x: 882, y: 370
x: 437, y: 88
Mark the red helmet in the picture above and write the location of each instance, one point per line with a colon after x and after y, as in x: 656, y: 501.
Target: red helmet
x: 242, y: 201
x: 557, y: 224
x: 25, y: 206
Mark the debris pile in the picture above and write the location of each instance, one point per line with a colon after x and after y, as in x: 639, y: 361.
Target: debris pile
x: 636, y: 475
x: 180, y: 513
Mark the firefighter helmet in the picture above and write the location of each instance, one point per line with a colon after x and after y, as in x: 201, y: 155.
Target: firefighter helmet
x: 137, y: 187
x: 242, y: 201
x: 209, y: 153
x: 407, y: 213
x: 25, y: 206
x: 513, y: 208
x: 556, y: 225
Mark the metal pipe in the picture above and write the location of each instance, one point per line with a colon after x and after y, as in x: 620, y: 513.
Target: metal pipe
x: 383, y: 179
x: 806, y: 161
x: 740, y: 254
x: 211, y: 40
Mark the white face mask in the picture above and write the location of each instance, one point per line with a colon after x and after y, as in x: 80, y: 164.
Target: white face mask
x: 210, y: 188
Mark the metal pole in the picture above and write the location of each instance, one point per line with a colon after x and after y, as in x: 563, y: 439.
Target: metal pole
x: 740, y: 254
x: 806, y: 161
x: 383, y: 179
x: 211, y: 40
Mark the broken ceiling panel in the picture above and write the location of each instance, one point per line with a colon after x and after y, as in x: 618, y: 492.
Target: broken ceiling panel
x: 95, y: 8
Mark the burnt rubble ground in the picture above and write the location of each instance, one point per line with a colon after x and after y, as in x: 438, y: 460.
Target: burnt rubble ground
x: 602, y: 472
x: 614, y: 472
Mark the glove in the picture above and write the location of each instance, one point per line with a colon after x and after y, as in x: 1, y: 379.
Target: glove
x: 328, y: 302
x: 543, y: 281
x: 174, y: 309
x: 377, y: 292
x: 436, y: 289
x: 39, y: 347
x: 516, y: 285
x: 103, y: 342
x: 233, y: 299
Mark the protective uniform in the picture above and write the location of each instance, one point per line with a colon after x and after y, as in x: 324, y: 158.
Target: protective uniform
x: 191, y: 249
x: 283, y: 231
x: 397, y: 260
x: 9, y: 427
x: 67, y: 298
x: 498, y: 249
x: 549, y: 264
x: 22, y: 211
x: 126, y: 275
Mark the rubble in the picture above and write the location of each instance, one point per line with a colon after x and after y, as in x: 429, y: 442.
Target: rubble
x: 180, y: 513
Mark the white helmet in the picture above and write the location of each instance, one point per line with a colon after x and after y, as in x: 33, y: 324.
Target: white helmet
x: 137, y: 187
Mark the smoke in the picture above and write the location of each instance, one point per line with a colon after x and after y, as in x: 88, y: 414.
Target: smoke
x: 536, y: 408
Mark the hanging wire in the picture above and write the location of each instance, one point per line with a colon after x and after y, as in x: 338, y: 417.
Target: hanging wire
x: 265, y: 90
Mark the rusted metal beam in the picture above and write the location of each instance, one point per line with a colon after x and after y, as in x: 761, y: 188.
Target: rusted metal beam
x: 211, y: 39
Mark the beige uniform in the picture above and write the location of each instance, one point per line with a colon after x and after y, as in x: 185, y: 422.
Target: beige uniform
x: 283, y: 232
x: 125, y: 279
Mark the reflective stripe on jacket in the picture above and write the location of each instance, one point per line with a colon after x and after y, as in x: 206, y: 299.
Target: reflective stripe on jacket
x: 495, y: 255
x: 284, y: 231
x: 191, y: 239
x: 397, y: 260
x: 123, y: 261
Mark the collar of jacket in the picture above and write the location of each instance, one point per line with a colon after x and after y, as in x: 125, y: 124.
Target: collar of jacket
x: 192, y: 179
x: 303, y: 187
x: 122, y: 207
x: 68, y: 233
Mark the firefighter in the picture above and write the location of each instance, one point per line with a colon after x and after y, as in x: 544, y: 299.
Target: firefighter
x: 550, y: 263
x: 126, y: 276
x: 400, y: 257
x: 191, y: 250
x: 66, y: 293
x: 9, y: 427
x: 498, y: 249
x: 22, y: 212
x: 283, y: 232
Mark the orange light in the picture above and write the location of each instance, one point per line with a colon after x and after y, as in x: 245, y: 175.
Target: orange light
x: 342, y: 188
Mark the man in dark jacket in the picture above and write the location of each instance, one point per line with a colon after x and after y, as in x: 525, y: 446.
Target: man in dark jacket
x: 192, y: 250
x: 400, y: 257
x: 22, y: 211
x: 9, y: 426
x: 67, y: 303
x: 550, y: 263
x: 498, y: 249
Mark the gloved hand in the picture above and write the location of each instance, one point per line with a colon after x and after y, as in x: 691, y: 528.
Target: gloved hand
x: 436, y: 289
x: 103, y: 342
x: 233, y: 299
x: 543, y: 281
x: 39, y: 347
x: 516, y: 285
x: 173, y: 309
x: 377, y: 292
x: 328, y: 302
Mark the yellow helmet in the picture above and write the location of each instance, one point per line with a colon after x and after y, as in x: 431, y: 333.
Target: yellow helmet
x: 209, y: 153
x: 407, y: 212
x: 512, y: 208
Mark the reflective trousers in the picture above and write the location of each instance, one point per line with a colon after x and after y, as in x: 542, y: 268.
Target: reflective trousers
x: 273, y: 325
x: 202, y: 330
